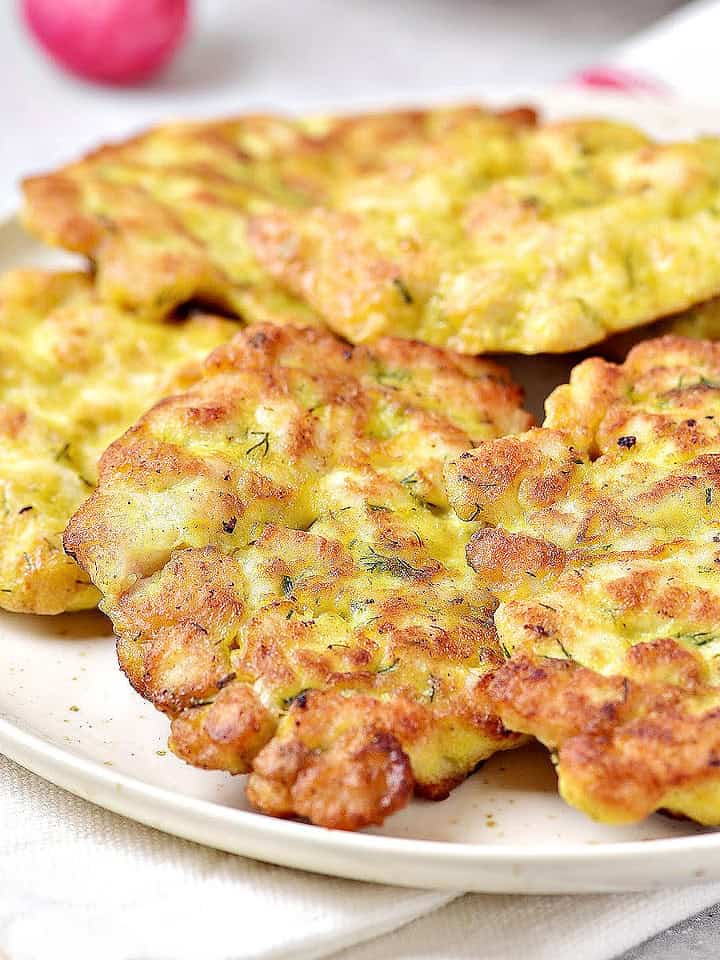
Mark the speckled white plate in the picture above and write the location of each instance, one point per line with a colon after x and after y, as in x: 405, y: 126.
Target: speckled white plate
x: 68, y: 714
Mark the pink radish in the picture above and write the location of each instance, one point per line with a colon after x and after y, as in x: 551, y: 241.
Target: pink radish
x: 109, y: 41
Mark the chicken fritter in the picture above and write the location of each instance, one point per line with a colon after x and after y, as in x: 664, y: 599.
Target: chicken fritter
x: 74, y: 375
x: 287, y: 580
x: 601, y: 539
x: 165, y: 214
x: 701, y: 322
x: 547, y: 241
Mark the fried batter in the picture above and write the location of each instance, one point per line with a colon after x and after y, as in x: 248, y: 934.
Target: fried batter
x: 546, y: 240
x: 601, y: 539
x: 701, y: 322
x: 287, y: 580
x: 73, y: 375
x: 164, y: 215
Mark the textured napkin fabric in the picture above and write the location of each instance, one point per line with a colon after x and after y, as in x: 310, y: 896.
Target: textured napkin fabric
x: 79, y: 882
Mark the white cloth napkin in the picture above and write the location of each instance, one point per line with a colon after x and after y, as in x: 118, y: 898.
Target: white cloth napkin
x: 680, y: 51
x: 79, y: 882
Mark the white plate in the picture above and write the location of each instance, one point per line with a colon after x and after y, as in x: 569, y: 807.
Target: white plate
x: 68, y: 714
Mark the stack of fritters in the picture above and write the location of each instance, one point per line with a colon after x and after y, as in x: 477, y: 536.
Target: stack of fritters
x: 274, y: 539
x: 74, y: 373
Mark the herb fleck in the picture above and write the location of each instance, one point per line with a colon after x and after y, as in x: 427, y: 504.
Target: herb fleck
x: 404, y: 292
x: 506, y: 652
x: 699, y: 639
x: 395, y: 566
x: 263, y: 444
x: 390, y: 667
x: 299, y: 698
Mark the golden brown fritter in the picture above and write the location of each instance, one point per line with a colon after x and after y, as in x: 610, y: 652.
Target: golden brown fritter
x: 73, y: 375
x: 544, y: 240
x: 164, y: 215
x: 602, y: 542
x: 287, y: 580
x: 701, y: 322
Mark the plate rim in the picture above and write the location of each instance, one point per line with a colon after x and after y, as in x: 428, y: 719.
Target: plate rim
x: 21, y: 745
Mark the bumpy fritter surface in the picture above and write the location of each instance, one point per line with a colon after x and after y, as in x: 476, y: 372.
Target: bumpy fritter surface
x: 285, y: 575
x: 602, y: 538
x: 701, y: 322
x: 165, y: 215
x: 73, y: 376
x: 543, y: 239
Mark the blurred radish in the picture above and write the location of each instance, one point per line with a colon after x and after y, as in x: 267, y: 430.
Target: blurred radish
x: 110, y: 41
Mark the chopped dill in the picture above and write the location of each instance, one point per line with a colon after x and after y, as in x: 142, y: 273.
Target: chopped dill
x: 299, y: 697
x: 699, y: 639
x: 263, y: 444
x: 375, y: 562
x: 564, y: 648
x: 629, y: 268
x: 404, y: 292
x: 356, y: 606
x: 390, y: 667
x: 288, y: 587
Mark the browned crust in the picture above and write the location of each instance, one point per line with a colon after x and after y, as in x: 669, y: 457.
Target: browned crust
x: 281, y: 568
x: 53, y: 210
x: 343, y: 780
x: 602, y: 542
x: 111, y: 206
x: 623, y: 742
